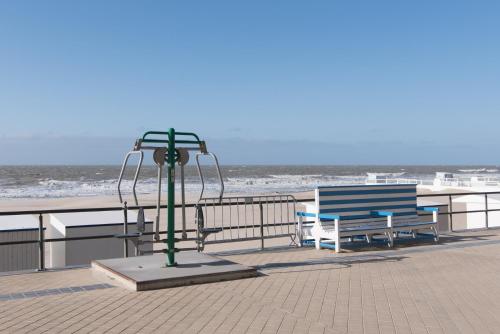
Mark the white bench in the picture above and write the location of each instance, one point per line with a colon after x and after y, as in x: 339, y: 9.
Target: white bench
x: 364, y: 210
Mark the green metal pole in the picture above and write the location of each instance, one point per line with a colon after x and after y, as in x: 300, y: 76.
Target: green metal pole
x: 171, y: 199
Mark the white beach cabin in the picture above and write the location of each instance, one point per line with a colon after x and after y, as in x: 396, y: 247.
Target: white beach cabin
x: 83, y: 224
x: 23, y: 256
x: 476, y: 220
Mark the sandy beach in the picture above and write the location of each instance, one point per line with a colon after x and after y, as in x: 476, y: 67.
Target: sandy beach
x: 103, y: 201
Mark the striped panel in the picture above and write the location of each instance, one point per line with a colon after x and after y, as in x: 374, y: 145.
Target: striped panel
x: 386, y: 206
x: 366, y: 192
x: 337, y: 197
x: 368, y: 186
x: 367, y: 200
x: 355, y: 204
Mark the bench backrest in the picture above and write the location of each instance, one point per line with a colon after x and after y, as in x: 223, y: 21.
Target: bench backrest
x: 356, y: 202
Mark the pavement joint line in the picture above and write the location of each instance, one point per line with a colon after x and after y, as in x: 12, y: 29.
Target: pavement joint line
x: 52, y: 292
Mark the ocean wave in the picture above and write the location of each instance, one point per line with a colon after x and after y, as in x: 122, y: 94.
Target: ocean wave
x: 277, y: 183
x: 473, y: 170
x: 81, y: 181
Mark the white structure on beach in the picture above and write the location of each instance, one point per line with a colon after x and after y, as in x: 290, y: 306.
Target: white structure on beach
x: 22, y: 256
x: 475, y: 220
x: 83, y: 224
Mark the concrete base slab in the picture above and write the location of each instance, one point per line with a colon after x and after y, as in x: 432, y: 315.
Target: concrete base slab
x: 149, y: 272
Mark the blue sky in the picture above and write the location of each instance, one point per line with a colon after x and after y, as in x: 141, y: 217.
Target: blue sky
x: 306, y: 82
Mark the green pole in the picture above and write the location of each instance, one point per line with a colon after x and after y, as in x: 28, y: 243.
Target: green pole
x: 171, y: 199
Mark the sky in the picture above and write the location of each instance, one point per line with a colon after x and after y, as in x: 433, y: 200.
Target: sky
x: 264, y: 82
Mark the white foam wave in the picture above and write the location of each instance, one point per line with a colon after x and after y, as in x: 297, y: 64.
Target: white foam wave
x: 474, y: 170
x: 49, y: 188
x: 276, y: 183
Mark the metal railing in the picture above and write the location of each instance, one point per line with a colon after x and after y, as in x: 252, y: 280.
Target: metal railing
x: 245, y: 218
x: 451, y: 213
x: 236, y: 227
x: 479, y: 181
x: 241, y: 218
x: 397, y: 181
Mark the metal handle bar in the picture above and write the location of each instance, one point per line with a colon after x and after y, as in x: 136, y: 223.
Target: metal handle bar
x: 200, y: 173
x: 136, y: 176
x: 189, y: 134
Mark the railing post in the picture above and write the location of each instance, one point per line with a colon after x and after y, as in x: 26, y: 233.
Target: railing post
x: 125, y: 229
x: 450, y: 212
x: 298, y: 233
x: 41, y: 244
x: 261, y: 211
x: 486, y: 210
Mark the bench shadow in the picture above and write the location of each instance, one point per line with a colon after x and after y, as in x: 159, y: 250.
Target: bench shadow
x: 444, y: 240
x: 369, y: 253
x: 340, y: 262
x: 407, y: 241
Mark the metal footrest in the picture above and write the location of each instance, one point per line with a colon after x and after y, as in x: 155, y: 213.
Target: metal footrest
x: 203, y: 233
x: 210, y: 230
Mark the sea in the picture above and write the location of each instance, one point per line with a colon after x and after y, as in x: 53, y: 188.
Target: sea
x: 75, y: 181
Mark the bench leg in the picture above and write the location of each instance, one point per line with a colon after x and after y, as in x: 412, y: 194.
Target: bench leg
x: 390, y: 239
x: 337, y: 236
x: 436, y: 233
x: 298, y: 232
x: 317, y: 243
x: 369, y: 238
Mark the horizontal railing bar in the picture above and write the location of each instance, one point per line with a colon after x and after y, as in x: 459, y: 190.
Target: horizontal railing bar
x: 95, y: 209
x: 109, y: 236
x: 248, y: 238
x: 256, y: 226
x: 88, y: 237
x: 460, y: 194
x: 18, y: 242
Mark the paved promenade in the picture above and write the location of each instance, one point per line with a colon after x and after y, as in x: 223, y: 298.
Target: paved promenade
x: 453, y: 287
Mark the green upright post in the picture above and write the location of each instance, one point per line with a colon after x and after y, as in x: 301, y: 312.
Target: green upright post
x: 171, y: 199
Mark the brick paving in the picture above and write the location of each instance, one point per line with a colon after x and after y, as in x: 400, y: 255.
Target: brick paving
x: 452, y: 287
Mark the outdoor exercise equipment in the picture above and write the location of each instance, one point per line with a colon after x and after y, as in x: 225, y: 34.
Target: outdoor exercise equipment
x: 171, y: 148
